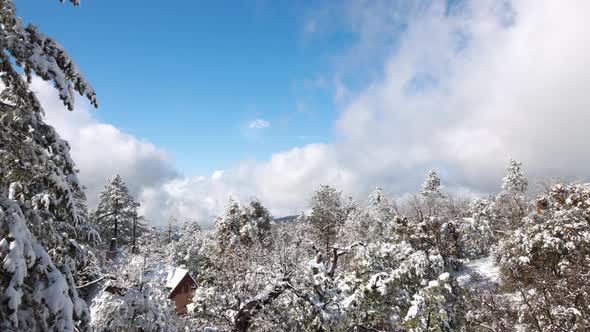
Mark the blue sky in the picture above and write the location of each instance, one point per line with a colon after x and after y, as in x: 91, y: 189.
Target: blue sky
x: 188, y: 76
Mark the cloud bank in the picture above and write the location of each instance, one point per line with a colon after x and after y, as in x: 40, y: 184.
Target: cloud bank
x: 101, y: 150
x: 461, y: 90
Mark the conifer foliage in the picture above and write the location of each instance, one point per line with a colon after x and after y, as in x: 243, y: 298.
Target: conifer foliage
x: 42, y: 207
x: 244, y: 225
x: 116, y: 215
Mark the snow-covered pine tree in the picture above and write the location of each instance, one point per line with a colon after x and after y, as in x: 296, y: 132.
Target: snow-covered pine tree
x: 432, y: 307
x: 138, y: 227
x: 328, y: 214
x: 477, y: 231
x: 116, y: 214
x: 431, y: 193
x: 186, y: 251
x: 376, y: 197
x: 255, y: 223
x: 35, y: 294
x: 228, y: 225
x: 239, y: 271
x: 372, y: 221
x: 431, y: 186
x: 244, y: 225
x: 134, y: 297
x: 171, y: 227
x: 515, y: 181
x: 41, y: 203
x: 432, y: 224
x: 511, y: 201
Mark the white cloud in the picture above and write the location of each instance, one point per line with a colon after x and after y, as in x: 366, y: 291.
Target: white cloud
x: 101, y: 150
x: 282, y: 183
x: 494, y: 90
x: 461, y: 93
x: 258, y: 124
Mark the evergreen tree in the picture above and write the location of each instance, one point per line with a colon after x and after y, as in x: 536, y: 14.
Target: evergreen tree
x: 244, y: 225
x: 511, y: 201
x: 35, y: 294
x: 186, y: 251
x: 431, y: 186
x: 477, y: 231
x: 432, y: 195
x: 171, y: 228
x: 137, y: 229
x: 374, y: 220
x: 376, y: 197
x: 328, y: 214
x: 42, y: 207
x: 228, y: 225
x: 134, y: 297
x: 255, y: 223
x: 116, y: 214
x: 514, y: 182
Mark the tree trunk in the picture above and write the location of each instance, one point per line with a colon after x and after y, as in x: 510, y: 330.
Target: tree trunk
x: 134, y: 230
x: 250, y: 309
x: 116, y: 215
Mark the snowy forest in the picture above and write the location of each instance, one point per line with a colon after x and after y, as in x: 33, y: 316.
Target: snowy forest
x: 517, y: 259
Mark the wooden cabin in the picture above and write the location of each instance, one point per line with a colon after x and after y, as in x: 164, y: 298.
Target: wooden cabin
x: 182, y: 288
x: 113, y: 251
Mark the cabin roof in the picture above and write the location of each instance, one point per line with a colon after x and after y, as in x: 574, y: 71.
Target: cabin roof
x: 176, y: 277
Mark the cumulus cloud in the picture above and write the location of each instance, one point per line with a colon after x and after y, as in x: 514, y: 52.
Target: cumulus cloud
x: 101, y: 150
x: 466, y: 90
x: 460, y: 89
x: 258, y: 124
x: 282, y: 184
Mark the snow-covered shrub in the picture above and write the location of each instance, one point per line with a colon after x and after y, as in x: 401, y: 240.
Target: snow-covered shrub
x: 378, y: 283
x: 488, y: 309
x: 374, y: 220
x: 435, y: 234
x: 432, y: 308
x: 546, y: 260
x: 133, y: 296
x: 136, y: 309
x: 476, y: 233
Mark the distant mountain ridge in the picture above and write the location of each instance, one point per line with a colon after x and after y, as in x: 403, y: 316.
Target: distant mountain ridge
x: 286, y: 219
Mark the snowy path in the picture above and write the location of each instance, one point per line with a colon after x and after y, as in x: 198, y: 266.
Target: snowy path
x: 485, y: 267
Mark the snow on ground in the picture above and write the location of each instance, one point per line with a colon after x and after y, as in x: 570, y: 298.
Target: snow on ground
x: 483, y: 266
